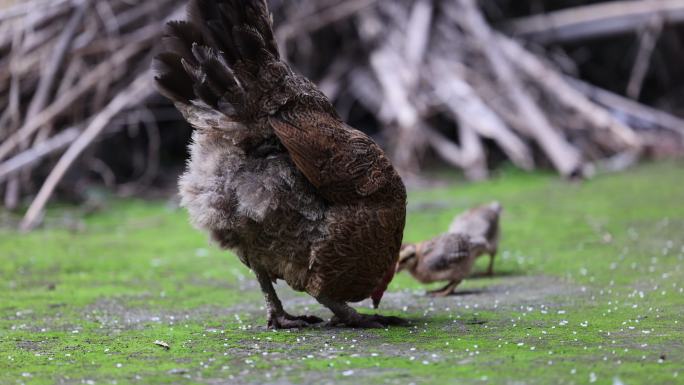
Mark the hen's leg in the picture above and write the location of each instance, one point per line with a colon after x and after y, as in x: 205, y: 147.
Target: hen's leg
x: 277, y: 317
x: 346, y: 315
x: 444, y: 291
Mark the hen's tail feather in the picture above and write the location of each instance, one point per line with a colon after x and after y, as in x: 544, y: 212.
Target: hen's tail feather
x: 179, y: 36
x: 240, y: 29
x: 217, y: 54
x: 172, y: 80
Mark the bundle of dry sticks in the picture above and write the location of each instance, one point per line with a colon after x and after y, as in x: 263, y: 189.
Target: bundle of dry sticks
x: 434, y: 74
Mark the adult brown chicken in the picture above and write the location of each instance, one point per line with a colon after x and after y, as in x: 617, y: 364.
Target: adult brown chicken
x: 275, y: 175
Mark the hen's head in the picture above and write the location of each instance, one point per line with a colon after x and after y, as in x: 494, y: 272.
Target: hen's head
x: 377, y: 294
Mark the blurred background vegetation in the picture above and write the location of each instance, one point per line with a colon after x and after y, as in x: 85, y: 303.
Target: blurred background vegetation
x: 579, y: 87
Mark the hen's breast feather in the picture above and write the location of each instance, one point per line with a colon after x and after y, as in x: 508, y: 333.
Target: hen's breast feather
x: 262, y: 208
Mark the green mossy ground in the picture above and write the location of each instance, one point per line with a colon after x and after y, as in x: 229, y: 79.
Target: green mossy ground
x: 589, y: 288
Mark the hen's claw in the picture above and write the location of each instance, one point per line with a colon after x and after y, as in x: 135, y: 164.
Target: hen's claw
x: 287, y: 321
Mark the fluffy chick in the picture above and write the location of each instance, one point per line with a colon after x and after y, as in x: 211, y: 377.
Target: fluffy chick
x: 448, y: 257
x: 481, y: 222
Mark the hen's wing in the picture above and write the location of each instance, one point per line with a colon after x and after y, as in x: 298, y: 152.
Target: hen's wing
x: 223, y: 70
x: 342, y: 163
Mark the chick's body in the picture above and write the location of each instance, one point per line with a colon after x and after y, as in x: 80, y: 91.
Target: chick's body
x: 481, y: 221
x: 274, y: 174
x: 450, y: 257
x: 443, y: 258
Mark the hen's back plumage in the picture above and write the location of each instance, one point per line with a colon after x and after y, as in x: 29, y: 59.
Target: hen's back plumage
x: 274, y: 174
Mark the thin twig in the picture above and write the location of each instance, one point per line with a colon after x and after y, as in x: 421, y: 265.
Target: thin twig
x: 49, y: 75
x: 36, y: 153
x: 64, y: 101
x: 135, y: 93
x: 647, y: 43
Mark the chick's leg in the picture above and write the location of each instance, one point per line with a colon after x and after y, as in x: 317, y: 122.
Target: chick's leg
x: 346, y: 315
x: 444, y: 291
x: 490, y: 268
x: 277, y: 317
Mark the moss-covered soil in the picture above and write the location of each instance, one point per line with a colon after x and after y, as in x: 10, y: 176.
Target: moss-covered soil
x: 589, y: 289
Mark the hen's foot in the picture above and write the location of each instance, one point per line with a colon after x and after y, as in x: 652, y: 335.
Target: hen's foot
x: 368, y: 321
x: 347, y: 316
x: 287, y: 321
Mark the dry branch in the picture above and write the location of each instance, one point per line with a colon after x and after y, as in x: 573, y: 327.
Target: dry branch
x: 639, y: 114
x: 565, y: 158
x: 71, y: 63
x: 36, y: 153
x: 134, y: 94
x: 467, y: 107
x: 49, y: 74
x: 647, y: 43
x: 595, y: 20
x: 65, y: 101
x: 321, y: 18
x: 554, y: 83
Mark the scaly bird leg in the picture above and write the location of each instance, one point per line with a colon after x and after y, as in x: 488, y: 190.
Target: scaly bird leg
x: 346, y: 315
x: 490, y: 268
x: 444, y: 291
x: 277, y: 317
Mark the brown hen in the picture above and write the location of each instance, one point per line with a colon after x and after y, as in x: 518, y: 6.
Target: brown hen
x: 274, y: 174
